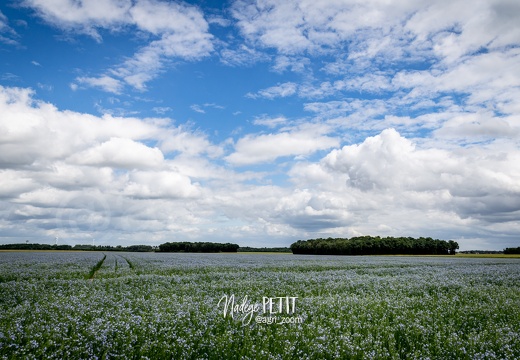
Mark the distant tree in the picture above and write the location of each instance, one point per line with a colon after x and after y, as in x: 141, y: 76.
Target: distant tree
x: 453, y: 247
x: 138, y: 248
x: 512, y: 250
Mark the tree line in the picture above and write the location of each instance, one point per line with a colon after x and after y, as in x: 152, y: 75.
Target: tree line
x: 130, y: 248
x: 80, y: 247
x: 198, y: 247
x: 370, y: 245
x: 34, y: 246
x: 265, y: 249
x: 515, y: 250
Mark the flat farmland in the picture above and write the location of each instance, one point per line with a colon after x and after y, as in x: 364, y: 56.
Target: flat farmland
x: 88, y: 305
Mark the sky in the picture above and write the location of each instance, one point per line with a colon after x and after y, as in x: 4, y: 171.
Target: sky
x: 259, y: 122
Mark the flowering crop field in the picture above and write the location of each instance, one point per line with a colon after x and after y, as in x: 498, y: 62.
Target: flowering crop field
x: 85, y: 305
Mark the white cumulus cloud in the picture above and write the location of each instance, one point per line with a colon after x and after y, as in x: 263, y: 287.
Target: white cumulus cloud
x: 253, y: 149
x: 120, y: 153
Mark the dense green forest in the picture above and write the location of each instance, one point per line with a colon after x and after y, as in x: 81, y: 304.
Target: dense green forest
x: 201, y: 247
x: 512, y: 250
x: 370, y: 245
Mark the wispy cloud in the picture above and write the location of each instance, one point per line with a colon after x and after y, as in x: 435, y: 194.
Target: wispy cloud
x: 242, y: 55
x: 181, y: 30
x: 201, y: 108
x: 105, y: 83
x: 161, y: 110
x: 7, y: 34
x: 292, y: 63
x: 281, y: 90
x: 271, y: 122
x: 197, y: 108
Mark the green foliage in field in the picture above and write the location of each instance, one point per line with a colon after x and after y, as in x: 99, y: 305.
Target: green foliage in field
x: 96, y: 267
x: 164, y: 306
x: 375, y: 245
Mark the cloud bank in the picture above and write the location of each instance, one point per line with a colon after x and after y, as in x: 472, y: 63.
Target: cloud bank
x: 74, y: 174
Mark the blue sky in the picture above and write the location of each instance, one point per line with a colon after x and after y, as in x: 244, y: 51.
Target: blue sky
x: 259, y: 122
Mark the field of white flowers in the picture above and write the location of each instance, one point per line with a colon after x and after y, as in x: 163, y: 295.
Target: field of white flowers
x: 83, y: 305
